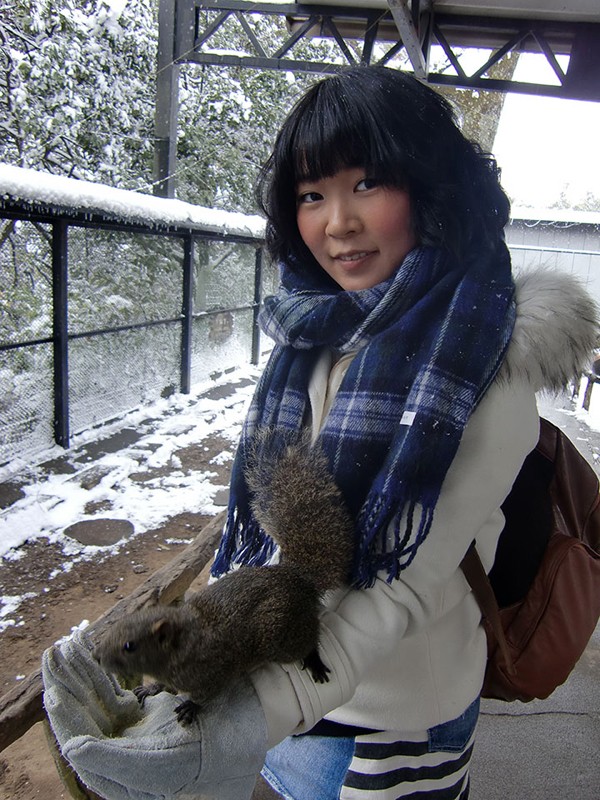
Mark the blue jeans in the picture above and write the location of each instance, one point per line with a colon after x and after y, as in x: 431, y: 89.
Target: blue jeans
x: 315, y: 767
x: 309, y: 767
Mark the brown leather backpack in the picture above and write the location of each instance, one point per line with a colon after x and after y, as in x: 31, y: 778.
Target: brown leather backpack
x: 541, y: 602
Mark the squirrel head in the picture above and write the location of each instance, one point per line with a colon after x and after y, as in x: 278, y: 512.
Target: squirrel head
x: 139, y: 642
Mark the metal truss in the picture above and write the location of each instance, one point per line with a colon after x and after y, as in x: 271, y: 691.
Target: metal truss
x: 398, y: 35
x: 398, y: 28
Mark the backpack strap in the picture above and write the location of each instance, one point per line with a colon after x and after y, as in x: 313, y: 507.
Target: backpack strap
x: 481, y: 587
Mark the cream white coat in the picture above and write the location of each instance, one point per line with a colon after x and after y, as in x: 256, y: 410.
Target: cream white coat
x: 410, y: 655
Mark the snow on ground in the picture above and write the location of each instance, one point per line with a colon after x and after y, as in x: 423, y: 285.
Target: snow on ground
x: 592, y: 417
x: 52, y: 502
x: 55, y: 501
x: 564, y: 405
x: 566, y: 411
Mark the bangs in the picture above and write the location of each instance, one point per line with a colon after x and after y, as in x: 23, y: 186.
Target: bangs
x: 338, y: 130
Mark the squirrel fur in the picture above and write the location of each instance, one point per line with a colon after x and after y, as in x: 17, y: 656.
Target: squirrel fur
x: 253, y: 615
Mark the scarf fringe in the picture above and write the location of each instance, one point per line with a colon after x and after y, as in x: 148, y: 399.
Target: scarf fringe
x: 243, y: 542
x: 377, y: 550
x: 397, y: 420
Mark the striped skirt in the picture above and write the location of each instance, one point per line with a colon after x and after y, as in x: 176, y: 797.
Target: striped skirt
x: 388, y: 765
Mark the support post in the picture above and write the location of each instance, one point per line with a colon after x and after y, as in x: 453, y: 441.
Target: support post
x: 408, y: 33
x: 167, y: 103
x: 60, y: 334
x: 587, y: 397
x: 187, y: 311
x: 258, y: 259
x: 583, y: 74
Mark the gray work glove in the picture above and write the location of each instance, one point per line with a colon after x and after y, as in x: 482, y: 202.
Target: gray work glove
x: 123, y: 751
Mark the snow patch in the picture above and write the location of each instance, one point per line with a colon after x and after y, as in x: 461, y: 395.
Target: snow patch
x: 9, y: 603
x: 51, y: 503
x: 81, y: 627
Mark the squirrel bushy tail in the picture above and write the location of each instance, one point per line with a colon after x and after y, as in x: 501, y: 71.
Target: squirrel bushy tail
x: 296, y: 501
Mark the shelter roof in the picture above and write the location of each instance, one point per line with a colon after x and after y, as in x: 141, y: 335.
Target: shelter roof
x: 572, y: 11
x: 61, y: 194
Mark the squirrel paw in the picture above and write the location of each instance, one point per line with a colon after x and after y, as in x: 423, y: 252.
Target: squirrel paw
x: 316, y: 667
x: 149, y: 690
x: 187, y: 712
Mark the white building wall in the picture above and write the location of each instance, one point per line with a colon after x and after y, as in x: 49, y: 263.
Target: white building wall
x: 566, y: 245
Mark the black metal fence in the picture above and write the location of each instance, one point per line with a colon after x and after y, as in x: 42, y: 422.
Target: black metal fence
x: 98, y: 317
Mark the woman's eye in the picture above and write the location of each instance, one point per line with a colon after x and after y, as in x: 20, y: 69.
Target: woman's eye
x: 366, y: 184
x: 309, y: 197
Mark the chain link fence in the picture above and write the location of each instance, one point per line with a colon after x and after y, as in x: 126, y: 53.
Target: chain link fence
x: 97, y: 319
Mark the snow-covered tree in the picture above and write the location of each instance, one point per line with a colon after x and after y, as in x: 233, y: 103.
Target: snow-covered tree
x: 77, y: 87
x: 228, y: 116
x: 77, y: 92
x: 590, y: 202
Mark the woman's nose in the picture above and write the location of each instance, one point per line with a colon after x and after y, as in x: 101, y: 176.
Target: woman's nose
x: 341, y: 220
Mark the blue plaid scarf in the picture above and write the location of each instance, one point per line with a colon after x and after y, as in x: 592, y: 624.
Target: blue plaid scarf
x: 430, y: 339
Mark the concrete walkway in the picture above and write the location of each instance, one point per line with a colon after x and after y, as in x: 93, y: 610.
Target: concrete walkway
x: 546, y: 749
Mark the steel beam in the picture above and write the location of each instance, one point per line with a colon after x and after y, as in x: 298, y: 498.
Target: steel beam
x: 186, y: 28
x: 167, y: 96
x: 408, y: 33
x: 402, y: 29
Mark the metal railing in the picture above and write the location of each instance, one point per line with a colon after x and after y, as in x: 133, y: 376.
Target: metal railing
x: 184, y: 300
x: 99, y: 316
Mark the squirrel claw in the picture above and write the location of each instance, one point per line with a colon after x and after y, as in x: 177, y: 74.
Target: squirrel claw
x: 149, y: 690
x: 187, y: 712
x: 318, y: 670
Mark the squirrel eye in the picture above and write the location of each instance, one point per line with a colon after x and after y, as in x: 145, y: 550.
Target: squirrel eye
x: 129, y: 647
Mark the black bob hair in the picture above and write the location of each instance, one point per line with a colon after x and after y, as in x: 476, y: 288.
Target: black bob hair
x: 402, y: 133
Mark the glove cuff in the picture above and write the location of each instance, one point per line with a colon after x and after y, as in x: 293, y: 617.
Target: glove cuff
x: 234, y: 741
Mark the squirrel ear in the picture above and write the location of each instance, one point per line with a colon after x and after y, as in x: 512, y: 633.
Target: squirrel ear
x: 163, y: 630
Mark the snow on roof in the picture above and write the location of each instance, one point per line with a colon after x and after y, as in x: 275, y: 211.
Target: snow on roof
x: 555, y: 215
x: 574, y: 10
x: 43, y: 188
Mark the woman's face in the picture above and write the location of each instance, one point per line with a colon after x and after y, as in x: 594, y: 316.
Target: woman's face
x: 358, y: 230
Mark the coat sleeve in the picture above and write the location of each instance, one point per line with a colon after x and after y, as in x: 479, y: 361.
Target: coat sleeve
x: 360, y: 627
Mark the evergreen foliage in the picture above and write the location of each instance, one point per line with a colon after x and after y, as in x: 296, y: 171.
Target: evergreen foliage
x: 77, y: 98
x: 77, y: 92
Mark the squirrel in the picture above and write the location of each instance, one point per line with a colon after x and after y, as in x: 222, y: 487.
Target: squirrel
x: 254, y: 614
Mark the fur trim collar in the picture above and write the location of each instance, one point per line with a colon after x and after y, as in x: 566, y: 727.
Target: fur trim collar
x: 556, y: 329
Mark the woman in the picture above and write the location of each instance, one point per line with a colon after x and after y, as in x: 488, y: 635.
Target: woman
x: 402, y: 346
x: 394, y: 319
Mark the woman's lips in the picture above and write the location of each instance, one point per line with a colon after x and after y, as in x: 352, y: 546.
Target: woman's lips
x: 352, y: 258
